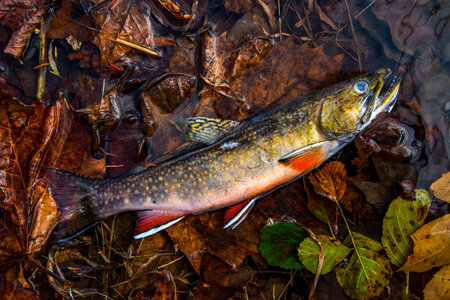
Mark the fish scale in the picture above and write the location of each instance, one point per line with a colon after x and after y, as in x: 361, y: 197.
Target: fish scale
x: 239, y: 162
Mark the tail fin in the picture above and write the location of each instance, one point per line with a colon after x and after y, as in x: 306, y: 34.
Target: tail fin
x: 73, y: 195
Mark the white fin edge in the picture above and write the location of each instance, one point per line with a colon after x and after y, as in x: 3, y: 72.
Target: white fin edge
x: 156, y: 229
x: 240, y: 216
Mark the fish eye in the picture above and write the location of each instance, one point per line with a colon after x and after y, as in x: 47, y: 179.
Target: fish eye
x: 361, y: 86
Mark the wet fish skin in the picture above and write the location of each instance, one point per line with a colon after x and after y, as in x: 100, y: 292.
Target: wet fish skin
x: 249, y: 159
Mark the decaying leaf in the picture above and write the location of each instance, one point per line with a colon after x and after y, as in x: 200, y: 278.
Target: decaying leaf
x: 367, y: 273
x: 22, y: 17
x: 26, y: 134
x: 438, y: 288
x: 280, y: 242
x: 334, y: 252
x: 330, y: 181
x: 402, y: 219
x: 431, y: 246
x: 441, y: 187
x: 198, y: 235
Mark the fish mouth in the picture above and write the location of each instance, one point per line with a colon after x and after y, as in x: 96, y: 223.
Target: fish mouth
x: 384, y: 94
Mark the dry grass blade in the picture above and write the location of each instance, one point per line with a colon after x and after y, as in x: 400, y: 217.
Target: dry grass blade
x: 354, y: 35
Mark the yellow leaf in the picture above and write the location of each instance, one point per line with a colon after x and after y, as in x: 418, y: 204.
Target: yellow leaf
x: 431, y: 246
x: 438, y: 288
x: 441, y: 187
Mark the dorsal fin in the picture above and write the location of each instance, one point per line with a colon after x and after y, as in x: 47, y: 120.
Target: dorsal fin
x: 208, y: 130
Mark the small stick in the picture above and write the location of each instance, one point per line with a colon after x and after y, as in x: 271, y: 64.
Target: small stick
x: 137, y: 47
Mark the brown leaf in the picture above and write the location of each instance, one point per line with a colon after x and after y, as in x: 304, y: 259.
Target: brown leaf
x: 26, y: 132
x: 438, y: 288
x: 431, y: 246
x: 164, y: 291
x: 289, y: 71
x: 44, y: 218
x: 202, y: 234
x: 441, y: 187
x: 22, y: 17
x: 10, y: 289
x: 330, y: 181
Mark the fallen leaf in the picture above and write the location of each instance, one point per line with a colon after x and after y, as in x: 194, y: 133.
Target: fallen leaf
x: 291, y: 70
x: 44, y: 218
x: 320, y: 206
x: 22, y: 17
x: 280, y: 242
x: 438, y: 288
x: 11, y: 289
x: 334, y: 252
x: 164, y: 291
x: 330, y: 181
x: 441, y: 187
x: 367, y: 273
x: 197, y: 235
x: 26, y: 132
x: 431, y: 246
x: 402, y: 219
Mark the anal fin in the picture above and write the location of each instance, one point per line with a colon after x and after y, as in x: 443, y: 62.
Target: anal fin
x: 237, y: 213
x: 310, y: 157
x: 150, y: 222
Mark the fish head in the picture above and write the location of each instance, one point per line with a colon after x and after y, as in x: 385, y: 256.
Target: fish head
x: 351, y: 106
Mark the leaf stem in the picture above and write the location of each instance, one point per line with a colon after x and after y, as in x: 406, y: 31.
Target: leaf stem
x: 351, y: 237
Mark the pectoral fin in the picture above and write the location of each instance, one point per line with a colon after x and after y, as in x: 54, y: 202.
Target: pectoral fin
x: 208, y: 130
x: 236, y: 214
x: 150, y: 222
x: 310, y: 157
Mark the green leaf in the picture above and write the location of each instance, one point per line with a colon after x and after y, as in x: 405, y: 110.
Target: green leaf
x: 279, y: 243
x: 362, y: 241
x: 367, y: 273
x: 402, y: 219
x: 334, y: 252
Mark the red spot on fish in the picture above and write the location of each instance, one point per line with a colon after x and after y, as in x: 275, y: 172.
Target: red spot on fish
x: 174, y: 194
x: 232, y: 172
x: 219, y: 189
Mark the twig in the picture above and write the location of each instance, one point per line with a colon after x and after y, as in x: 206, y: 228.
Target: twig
x: 137, y: 47
x: 319, y: 264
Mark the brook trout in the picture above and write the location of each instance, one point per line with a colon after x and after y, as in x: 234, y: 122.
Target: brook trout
x: 239, y: 163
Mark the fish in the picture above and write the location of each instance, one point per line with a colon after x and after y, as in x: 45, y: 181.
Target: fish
x: 236, y: 164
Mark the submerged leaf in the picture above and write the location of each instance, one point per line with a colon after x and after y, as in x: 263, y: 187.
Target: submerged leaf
x: 330, y: 181
x: 402, y: 219
x: 438, y: 288
x: 279, y: 244
x: 334, y: 252
x: 431, y: 246
x: 367, y: 273
x: 441, y: 187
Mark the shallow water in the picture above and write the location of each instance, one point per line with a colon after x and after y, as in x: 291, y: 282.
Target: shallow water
x: 231, y: 60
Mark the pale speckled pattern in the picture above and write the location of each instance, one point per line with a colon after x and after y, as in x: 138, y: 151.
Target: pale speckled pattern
x: 244, y: 164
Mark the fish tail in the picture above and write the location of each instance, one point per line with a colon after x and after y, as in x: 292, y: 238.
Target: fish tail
x: 74, y: 195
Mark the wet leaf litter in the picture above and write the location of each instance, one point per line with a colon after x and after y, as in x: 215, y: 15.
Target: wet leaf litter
x: 131, y: 72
